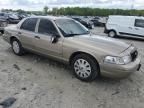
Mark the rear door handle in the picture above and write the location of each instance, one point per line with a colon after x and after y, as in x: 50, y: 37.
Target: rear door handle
x: 136, y: 28
x: 37, y: 37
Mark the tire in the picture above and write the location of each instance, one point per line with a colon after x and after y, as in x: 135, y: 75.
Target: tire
x: 17, y: 47
x: 112, y: 34
x: 84, y: 67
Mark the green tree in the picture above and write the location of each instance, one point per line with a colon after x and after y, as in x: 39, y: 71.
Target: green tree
x: 45, y: 10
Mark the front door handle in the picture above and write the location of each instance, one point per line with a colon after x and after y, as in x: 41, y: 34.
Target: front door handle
x: 37, y: 37
x: 130, y: 27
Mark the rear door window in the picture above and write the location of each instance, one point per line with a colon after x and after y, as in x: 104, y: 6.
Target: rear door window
x: 29, y: 24
x: 47, y: 27
x: 139, y: 23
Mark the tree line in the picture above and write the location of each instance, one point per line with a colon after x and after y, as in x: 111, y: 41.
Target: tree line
x: 85, y: 11
x: 95, y: 11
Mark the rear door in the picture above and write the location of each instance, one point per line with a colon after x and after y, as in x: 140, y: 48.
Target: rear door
x: 27, y: 32
x: 43, y: 40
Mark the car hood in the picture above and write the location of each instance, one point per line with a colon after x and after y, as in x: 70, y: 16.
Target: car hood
x: 14, y: 17
x: 2, y: 20
x: 104, y: 43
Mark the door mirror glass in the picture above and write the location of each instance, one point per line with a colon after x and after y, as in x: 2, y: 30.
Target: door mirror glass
x: 54, y: 38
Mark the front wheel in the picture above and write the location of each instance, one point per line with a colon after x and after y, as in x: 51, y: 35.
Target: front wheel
x: 17, y: 47
x: 112, y: 34
x: 84, y: 67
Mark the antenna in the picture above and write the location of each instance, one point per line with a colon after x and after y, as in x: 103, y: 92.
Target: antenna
x: 132, y: 5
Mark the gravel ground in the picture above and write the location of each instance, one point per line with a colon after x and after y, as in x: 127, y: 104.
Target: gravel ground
x: 37, y: 82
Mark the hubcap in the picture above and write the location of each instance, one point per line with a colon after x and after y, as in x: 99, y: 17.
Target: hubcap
x: 16, y: 47
x: 112, y: 34
x: 82, y: 68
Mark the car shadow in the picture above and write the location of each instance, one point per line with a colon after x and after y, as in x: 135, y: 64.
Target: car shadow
x: 39, y: 59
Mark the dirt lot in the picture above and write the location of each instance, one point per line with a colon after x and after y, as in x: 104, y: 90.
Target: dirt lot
x: 37, y: 82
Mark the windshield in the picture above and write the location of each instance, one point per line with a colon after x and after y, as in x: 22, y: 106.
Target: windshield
x: 69, y: 27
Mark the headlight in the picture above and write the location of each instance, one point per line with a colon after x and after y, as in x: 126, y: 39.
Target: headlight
x: 118, y: 60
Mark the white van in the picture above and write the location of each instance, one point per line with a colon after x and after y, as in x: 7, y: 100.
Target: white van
x: 130, y: 26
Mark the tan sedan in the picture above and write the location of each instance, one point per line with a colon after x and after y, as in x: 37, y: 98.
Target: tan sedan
x: 68, y: 41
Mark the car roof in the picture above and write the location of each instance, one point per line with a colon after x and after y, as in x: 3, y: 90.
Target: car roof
x: 50, y: 17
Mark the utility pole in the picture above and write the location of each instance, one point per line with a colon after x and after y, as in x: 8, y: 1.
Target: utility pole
x: 132, y: 6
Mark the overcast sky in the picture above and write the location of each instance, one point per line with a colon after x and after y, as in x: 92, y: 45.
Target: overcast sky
x: 39, y: 4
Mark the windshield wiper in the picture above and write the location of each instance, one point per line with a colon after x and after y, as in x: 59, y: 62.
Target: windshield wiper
x: 72, y: 34
x: 76, y: 34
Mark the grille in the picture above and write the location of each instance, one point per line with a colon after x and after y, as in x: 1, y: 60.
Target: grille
x: 134, y: 55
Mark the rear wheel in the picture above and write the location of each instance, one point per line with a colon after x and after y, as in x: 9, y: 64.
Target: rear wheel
x: 84, y: 67
x: 17, y: 47
x: 112, y: 34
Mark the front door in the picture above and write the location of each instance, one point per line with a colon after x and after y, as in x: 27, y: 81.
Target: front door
x: 43, y: 40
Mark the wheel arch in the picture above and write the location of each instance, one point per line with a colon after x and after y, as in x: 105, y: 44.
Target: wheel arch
x: 114, y: 31
x: 13, y: 37
x: 81, y: 52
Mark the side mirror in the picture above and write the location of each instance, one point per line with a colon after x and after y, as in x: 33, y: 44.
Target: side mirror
x: 54, y: 38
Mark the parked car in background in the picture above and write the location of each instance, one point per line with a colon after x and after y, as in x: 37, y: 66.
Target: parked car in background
x: 67, y: 40
x: 3, y: 16
x: 3, y: 24
x: 86, y: 22
x: 13, y: 18
x: 22, y: 16
x: 103, y: 20
x: 129, y: 26
x: 10, y: 17
x: 99, y: 21
x: 96, y: 22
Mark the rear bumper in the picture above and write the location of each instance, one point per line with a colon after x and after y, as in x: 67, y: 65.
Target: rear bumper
x: 120, y: 71
x: 6, y: 38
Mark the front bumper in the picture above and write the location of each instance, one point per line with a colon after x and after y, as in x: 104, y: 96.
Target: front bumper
x: 6, y: 38
x: 120, y: 71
